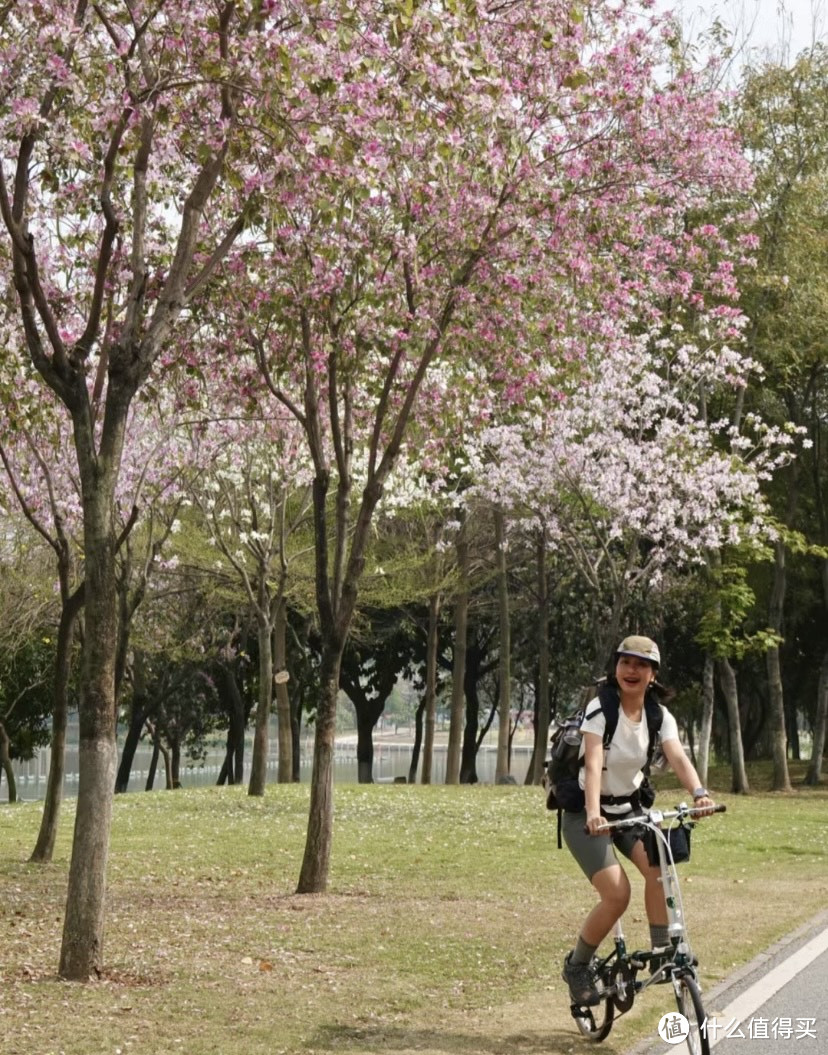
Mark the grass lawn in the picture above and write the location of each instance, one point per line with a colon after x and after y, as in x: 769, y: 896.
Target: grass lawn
x: 447, y: 916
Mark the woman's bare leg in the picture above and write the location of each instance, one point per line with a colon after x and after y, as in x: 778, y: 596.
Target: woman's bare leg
x: 613, y: 889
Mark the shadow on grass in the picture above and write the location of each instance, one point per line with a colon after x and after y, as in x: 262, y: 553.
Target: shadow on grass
x: 384, y: 1039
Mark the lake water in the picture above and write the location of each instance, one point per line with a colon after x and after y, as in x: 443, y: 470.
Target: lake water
x: 390, y: 760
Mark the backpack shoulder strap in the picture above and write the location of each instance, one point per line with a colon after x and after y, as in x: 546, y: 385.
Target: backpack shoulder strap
x: 655, y: 716
x: 610, y: 705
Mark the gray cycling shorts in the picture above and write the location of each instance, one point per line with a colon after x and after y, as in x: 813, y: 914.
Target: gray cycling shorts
x: 595, y: 852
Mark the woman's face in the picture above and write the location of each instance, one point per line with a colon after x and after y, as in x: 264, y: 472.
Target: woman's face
x: 634, y: 674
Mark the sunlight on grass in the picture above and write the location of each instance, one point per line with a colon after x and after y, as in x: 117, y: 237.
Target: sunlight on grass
x: 446, y: 918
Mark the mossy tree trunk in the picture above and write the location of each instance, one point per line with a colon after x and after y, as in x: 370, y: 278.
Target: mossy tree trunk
x: 542, y: 712
x: 505, y: 649
x: 727, y: 679
x: 5, y: 763
x: 706, y: 729
x: 432, y: 645
x: 779, y: 739
x: 45, y: 845
x: 458, y: 667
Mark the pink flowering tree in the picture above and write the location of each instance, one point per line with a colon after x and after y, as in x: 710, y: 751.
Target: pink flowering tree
x: 116, y: 209
x: 254, y: 498
x: 628, y: 459
x: 471, y: 205
x: 629, y: 478
x: 41, y: 479
x: 163, y: 454
x: 40, y: 484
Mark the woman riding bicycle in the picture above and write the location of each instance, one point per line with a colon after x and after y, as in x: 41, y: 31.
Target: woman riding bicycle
x: 612, y: 780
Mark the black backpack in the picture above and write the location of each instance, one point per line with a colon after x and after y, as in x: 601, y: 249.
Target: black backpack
x: 563, y: 791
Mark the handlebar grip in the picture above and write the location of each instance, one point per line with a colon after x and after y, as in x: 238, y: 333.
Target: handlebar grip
x: 720, y: 807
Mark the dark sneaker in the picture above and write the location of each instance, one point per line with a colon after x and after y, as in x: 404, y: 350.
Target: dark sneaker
x: 658, y: 958
x: 581, y: 982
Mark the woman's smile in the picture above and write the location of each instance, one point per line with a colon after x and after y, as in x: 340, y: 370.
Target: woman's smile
x: 633, y: 674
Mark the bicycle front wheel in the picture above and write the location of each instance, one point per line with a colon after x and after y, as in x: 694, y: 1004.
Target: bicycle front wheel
x: 688, y: 998
x: 595, y: 1022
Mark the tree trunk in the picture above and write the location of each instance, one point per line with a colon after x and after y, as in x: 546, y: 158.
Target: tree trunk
x: 792, y: 728
x: 168, y: 769
x: 233, y: 703
x: 814, y: 774
x: 431, y: 686
x: 504, y: 666
x: 418, y: 741
x: 136, y: 722
x: 468, y: 769
x: 258, y: 768
x: 727, y: 680
x: 153, y: 766
x: 691, y: 745
x: 81, y: 955
x: 706, y: 730
x: 458, y: 669
x: 542, y: 709
x: 779, y: 743
x: 483, y: 732
x: 368, y: 712
x: 138, y: 716
x: 45, y: 845
x: 283, y: 715
x: 5, y: 763
x: 173, y: 763
x: 226, y: 772
x: 313, y: 877
x: 295, y: 719
x: 365, y: 745
x: 608, y: 630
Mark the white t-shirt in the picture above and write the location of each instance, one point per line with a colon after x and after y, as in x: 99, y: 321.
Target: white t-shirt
x: 627, y: 752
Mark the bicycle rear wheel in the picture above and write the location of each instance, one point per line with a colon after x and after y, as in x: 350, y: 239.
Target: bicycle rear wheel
x: 688, y: 998
x: 595, y: 1022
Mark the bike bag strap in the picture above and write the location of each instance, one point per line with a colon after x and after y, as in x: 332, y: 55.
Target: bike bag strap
x: 633, y: 800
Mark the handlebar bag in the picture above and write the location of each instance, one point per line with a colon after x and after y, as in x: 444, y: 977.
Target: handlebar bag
x: 678, y: 839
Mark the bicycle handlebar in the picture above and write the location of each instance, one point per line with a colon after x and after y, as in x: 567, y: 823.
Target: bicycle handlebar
x: 655, y: 816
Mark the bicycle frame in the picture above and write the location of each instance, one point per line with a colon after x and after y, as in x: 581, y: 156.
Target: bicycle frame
x: 676, y: 928
x: 617, y: 971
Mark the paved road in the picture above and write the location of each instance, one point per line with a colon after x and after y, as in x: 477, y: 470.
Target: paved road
x: 778, y: 1002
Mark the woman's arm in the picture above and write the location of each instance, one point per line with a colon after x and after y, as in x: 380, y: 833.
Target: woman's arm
x: 686, y: 772
x: 593, y: 767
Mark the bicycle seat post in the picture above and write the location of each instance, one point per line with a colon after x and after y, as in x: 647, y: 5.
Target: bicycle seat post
x: 618, y: 938
x: 669, y: 884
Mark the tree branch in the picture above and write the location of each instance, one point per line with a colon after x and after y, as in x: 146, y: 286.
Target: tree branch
x: 257, y: 345
x: 24, y: 505
x: 130, y: 524
x: 218, y: 254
